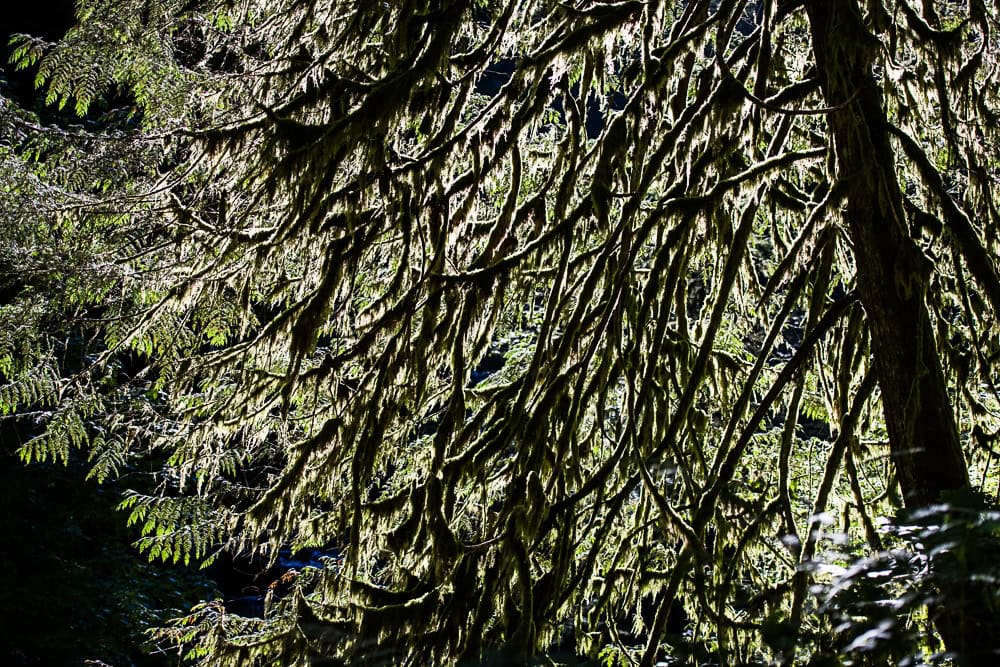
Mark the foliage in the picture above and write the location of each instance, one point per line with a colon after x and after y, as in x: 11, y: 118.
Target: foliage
x: 878, y: 602
x: 345, y: 233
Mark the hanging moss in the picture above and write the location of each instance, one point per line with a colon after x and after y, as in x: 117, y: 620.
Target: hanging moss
x: 350, y: 223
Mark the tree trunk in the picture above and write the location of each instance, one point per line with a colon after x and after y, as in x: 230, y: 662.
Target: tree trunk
x: 892, y: 276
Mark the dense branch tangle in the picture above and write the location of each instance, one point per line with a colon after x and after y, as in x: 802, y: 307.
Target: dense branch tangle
x: 386, y: 226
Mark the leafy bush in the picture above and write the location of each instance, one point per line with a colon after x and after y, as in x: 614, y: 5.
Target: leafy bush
x: 877, y: 604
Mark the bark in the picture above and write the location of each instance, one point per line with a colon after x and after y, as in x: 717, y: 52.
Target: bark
x: 892, y: 277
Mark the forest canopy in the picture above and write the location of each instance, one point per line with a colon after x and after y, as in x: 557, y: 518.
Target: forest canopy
x: 632, y: 332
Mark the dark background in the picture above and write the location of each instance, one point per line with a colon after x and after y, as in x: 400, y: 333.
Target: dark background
x: 48, y: 19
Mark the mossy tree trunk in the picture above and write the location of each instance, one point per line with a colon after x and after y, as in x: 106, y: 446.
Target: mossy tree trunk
x: 892, y: 276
